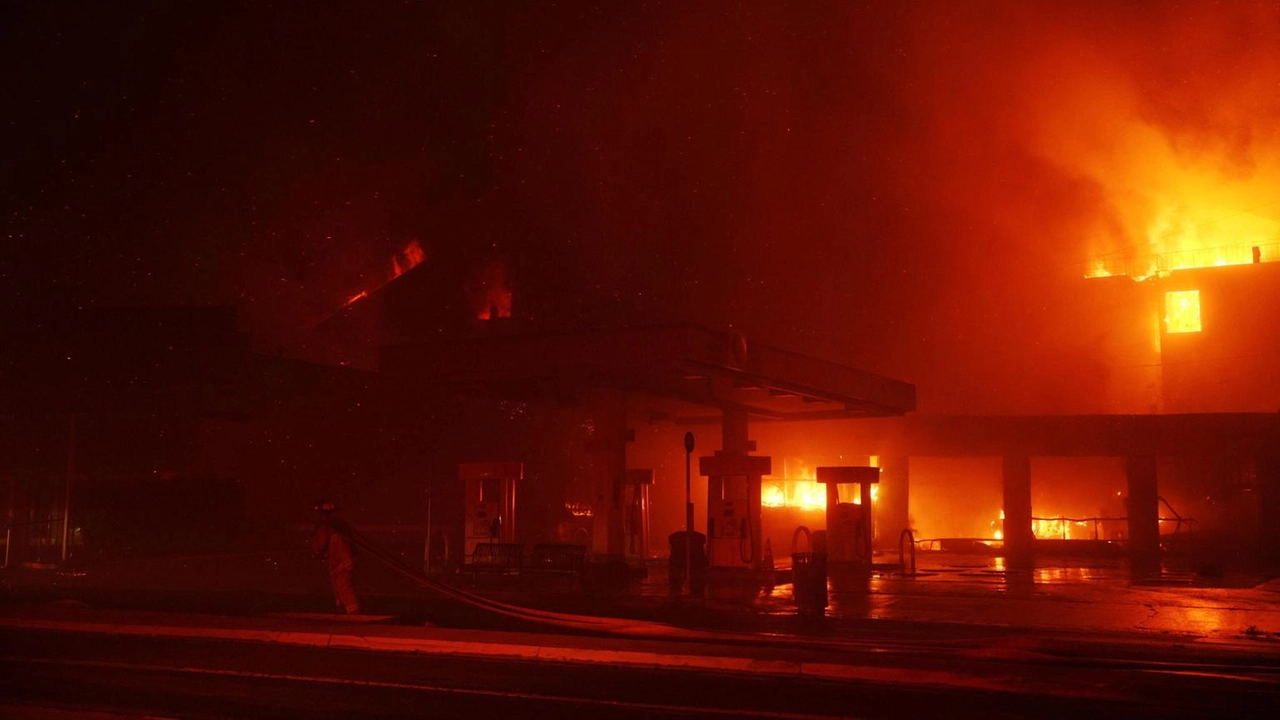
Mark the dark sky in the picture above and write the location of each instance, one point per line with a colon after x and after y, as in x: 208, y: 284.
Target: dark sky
x: 914, y: 188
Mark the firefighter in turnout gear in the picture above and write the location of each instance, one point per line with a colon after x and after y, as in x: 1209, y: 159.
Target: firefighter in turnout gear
x: 332, y: 543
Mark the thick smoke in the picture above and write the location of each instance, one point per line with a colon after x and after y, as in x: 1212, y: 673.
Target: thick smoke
x: 916, y: 189
x: 920, y: 191
x: 1065, y: 133
x: 1167, y: 113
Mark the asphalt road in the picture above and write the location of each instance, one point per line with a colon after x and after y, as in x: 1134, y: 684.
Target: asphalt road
x: 139, y: 675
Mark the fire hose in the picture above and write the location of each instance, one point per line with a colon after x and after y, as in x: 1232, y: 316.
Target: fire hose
x: 906, y: 539
x: 611, y: 626
x: 640, y: 628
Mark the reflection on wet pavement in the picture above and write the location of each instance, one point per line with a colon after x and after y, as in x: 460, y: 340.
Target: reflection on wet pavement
x: 1090, y: 593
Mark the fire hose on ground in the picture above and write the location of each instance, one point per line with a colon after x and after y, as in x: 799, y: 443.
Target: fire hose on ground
x: 611, y: 626
x: 639, y: 628
x: 906, y: 539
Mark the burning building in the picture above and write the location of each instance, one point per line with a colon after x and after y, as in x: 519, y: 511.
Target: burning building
x: 1200, y: 336
x: 582, y: 412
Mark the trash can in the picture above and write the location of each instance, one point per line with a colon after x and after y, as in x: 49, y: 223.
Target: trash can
x: 695, y: 553
x: 809, y: 572
x: 809, y: 581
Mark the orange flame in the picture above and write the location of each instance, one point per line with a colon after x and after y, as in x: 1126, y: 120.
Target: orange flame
x: 1178, y: 200
x: 1182, y: 311
x: 1050, y: 526
x: 402, y: 262
x: 799, y: 488
x: 412, y: 256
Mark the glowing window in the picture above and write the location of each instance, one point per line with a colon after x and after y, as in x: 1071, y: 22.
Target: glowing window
x: 1182, y: 311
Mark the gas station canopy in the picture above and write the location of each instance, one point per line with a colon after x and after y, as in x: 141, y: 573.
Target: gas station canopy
x: 679, y: 362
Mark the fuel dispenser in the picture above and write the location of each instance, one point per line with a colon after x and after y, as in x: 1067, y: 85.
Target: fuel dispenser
x: 490, y: 492
x: 733, y: 508
x: 635, y: 520
x: 849, y: 529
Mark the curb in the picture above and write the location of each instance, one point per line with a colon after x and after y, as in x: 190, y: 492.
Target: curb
x: 707, y: 663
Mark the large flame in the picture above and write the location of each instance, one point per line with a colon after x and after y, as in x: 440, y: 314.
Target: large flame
x: 1159, y: 119
x: 1181, y: 238
x: 1186, y: 170
x: 799, y: 488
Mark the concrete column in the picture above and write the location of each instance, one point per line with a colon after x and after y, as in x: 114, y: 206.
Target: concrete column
x: 868, y: 520
x: 1143, y: 510
x: 608, y: 450
x: 1018, y: 540
x: 893, y: 507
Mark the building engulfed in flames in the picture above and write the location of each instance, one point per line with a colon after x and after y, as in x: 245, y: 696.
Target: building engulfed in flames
x: 1188, y: 314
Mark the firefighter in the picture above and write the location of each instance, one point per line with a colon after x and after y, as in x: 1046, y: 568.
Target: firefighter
x: 332, y: 543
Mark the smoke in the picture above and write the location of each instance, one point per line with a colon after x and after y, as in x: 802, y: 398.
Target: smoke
x: 1062, y: 133
x: 918, y: 191
x: 915, y: 189
x: 1168, y: 114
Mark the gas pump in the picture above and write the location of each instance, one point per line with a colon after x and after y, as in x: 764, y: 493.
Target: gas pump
x: 490, y: 492
x: 635, y: 520
x: 849, y: 522
x: 733, y: 508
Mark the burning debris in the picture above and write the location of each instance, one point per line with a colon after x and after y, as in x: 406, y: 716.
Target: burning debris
x: 402, y: 262
x: 410, y: 257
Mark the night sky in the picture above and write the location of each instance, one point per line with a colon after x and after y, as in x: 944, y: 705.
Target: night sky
x: 912, y: 188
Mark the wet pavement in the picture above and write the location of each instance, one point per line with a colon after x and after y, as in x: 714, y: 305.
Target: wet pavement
x: 1096, y: 597
x: 1063, y: 594
x: 1079, y: 629
x: 1080, y: 595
